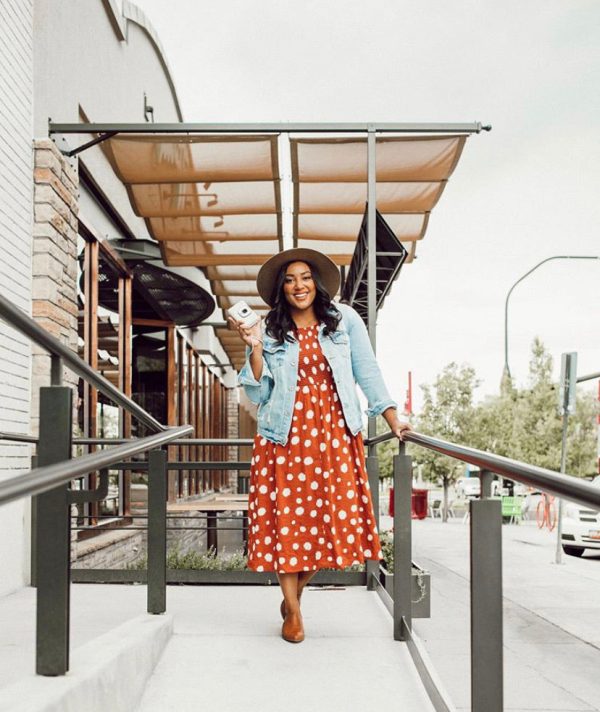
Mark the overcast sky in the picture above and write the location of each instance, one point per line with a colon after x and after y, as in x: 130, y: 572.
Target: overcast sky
x: 525, y: 191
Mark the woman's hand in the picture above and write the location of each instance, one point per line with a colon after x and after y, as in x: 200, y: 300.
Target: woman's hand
x: 250, y: 336
x: 401, y: 429
x: 396, y: 426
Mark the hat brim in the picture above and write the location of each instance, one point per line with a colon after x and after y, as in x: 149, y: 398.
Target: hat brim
x: 327, y: 269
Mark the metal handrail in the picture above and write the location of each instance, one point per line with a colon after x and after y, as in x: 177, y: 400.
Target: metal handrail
x: 46, y: 478
x: 21, y: 437
x: 567, y: 486
x: 28, y: 326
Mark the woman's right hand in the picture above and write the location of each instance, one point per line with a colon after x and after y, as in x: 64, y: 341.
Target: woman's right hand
x: 250, y: 336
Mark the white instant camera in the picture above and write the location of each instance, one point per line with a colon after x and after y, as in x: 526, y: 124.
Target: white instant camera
x: 242, y: 312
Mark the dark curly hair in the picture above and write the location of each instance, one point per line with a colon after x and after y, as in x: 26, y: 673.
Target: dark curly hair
x: 279, y: 320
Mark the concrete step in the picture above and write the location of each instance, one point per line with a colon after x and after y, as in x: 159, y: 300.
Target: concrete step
x: 107, y: 673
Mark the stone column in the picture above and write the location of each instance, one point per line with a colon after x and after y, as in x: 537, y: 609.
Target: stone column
x: 232, y: 432
x: 54, y: 284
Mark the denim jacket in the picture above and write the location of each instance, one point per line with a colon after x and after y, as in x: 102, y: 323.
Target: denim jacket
x: 349, y: 354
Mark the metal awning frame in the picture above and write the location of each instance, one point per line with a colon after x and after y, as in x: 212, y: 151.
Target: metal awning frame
x: 105, y: 131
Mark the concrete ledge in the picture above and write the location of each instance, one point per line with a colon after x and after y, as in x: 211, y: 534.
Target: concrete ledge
x: 108, y: 673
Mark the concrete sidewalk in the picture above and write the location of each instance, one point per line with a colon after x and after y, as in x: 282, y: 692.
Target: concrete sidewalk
x: 226, y: 650
x: 551, y: 617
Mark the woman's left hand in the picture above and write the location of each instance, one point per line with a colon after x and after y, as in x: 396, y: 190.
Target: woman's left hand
x: 396, y: 426
x: 400, y: 430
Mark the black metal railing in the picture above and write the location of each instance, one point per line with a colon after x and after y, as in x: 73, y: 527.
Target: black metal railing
x: 53, y: 499
x: 485, y: 517
x: 48, y: 484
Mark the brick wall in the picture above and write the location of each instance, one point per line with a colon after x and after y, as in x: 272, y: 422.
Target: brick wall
x: 54, y: 287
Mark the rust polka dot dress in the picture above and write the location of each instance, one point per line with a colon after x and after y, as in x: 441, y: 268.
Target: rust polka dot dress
x: 309, y: 503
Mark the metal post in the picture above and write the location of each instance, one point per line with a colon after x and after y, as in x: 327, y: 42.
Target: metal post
x: 402, y: 545
x: 486, y: 606
x: 53, y: 531
x: 33, y: 549
x: 486, y: 478
x: 563, y: 465
x: 157, y: 531
x: 372, y: 567
x: 56, y: 369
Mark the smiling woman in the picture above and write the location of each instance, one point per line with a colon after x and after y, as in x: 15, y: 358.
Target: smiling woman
x: 309, y: 504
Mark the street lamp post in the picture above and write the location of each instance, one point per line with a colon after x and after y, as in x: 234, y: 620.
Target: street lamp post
x: 539, y: 264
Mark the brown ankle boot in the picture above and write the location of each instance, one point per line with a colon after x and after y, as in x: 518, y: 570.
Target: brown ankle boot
x: 292, y: 629
x: 282, y: 606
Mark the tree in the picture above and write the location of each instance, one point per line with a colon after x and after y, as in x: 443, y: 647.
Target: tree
x: 448, y: 413
x: 524, y: 424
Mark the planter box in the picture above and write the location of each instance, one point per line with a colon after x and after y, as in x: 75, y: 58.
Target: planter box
x: 421, y: 589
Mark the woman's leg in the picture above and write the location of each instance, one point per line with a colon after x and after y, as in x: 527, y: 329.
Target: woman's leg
x: 303, y: 578
x: 289, y: 586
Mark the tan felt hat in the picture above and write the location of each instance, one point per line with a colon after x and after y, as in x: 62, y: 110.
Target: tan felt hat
x: 327, y: 269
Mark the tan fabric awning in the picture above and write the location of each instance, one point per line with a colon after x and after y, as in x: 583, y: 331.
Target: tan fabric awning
x: 330, y: 187
x: 215, y: 202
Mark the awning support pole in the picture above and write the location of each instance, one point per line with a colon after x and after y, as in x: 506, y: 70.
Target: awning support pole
x: 372, y: 566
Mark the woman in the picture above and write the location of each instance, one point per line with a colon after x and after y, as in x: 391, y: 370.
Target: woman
x: 309, y: 503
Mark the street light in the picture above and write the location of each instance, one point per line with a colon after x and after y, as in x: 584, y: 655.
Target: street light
x: 539, y: 264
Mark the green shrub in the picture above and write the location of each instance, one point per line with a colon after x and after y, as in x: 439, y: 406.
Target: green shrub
x: 209, y: 561
x: 387, y: 549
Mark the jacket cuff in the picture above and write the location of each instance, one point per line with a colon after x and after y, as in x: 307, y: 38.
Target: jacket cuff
x: 246, y: 376
x: 378, y: 408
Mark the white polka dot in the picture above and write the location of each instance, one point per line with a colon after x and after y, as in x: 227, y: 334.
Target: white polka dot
x: 268, y: 557
x: 367, y: 552
x: 314, y: 432
x: 318, y: 555
x: 307, y: 443
x: 338, y: 560
x: 295, y: 440
x: 284, y: 530
x: 286, y: 492
x: 299, y: 510
x: 335, y: 442
x: 299, y: 405
x: 342, y: 514
x: 293, y: 561
x: 344, y: 467
x: 350, y: 538
x: 314, y: 485
x: 314, y: 530
x: 310, y: 414
x: 261, y: 511
x: 307, y: 545
x: 308, y: 461
x: 263, y: 489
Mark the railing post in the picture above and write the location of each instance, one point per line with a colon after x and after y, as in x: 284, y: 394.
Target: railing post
x: 157, y: 531
x: 372, y: 566
x: 402, y: 545
x: 53, y: 539
x: 486, y: 605
x: 486, y: 478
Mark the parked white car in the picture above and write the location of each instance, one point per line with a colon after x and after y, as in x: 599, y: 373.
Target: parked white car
x: 470, y: 487
x: 580, y: 527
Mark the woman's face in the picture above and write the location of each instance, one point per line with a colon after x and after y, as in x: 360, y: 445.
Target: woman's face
x: 298, y: 286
